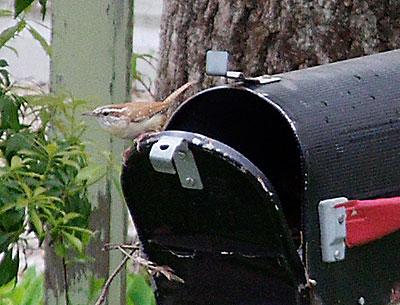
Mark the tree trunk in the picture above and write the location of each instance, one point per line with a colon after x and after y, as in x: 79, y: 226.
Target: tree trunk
x: 270, y: 36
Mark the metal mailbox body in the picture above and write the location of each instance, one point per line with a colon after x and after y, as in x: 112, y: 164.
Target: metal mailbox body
x: 319, y: 133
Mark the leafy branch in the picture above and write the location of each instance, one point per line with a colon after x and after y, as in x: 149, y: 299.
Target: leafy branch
x: 42, y: 188
x: 8, y: 34
x: 143, y: 79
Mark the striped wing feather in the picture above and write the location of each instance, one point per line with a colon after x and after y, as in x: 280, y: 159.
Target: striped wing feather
x: 144, y: 110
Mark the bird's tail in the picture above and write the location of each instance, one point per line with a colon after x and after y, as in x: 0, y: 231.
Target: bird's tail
x: 172, y: 99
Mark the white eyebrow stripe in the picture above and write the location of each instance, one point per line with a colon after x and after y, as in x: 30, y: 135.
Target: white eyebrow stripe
x: 114, y: 110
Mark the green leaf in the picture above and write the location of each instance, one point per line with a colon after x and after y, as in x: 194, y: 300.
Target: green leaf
x: 91, y: 173
x: 7, y: 290
x: 3, y: 171
x: 37, y: 223
x: 45, y: 100
x: 8, y: 267
x: 35, y: 295
x: 29, y: 291
x: 95, y: 286
x: 7, y: 207
x: 79, y: 229
x: 16, y: 162
x: 139, y: 291
x: 9, y: 113
x: 32, y: 175
x: 60, y: 250
x: 32, y: 153
x: 7, y: 239
x: 43, y: 4
x: 14, y: 50
x: 38, y: 191
x: 71, y: 163
x: 17, y: 142
x: 134, y: 66
x: 3, y: 63
x: 39, y: 38
x: 135, y: 57
x: 10, y: 32
x: 53, y: 199
x: 20, y: 6
x: 74, y: 241
x: 51, y: 149
x: 25, y: 187
x: 78, y: 103
x: 70, y: 216
x: 4, y: 77
x: 5, y: 13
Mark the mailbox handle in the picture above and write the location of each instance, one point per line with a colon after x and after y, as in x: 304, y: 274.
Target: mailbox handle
x: 369, y: 220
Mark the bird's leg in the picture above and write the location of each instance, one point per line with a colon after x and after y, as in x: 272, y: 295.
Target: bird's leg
x: 126, y: 154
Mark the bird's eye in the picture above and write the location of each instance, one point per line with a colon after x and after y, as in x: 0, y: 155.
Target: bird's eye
x: 106, y: 113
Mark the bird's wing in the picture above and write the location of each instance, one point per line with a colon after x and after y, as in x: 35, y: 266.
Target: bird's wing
x: 144, y: 110
x: 173, y: 99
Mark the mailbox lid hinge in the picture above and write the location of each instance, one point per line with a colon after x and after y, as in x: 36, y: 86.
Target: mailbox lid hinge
x: 172, y: 155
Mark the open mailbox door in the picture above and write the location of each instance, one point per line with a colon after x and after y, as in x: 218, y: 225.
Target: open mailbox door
x: 226, y: 237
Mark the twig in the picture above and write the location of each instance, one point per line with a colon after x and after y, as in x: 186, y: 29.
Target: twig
x: 108, y: 247
x: 149, y: 62
x: 152, y: 268
x: 146, y: 87
x: 104, y: 291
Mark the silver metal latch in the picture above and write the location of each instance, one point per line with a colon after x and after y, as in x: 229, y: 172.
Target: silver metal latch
x: 217, y: 65
x: 172, y: 155
x: 332, y: 222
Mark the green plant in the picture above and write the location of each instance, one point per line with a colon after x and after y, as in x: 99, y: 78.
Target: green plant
x: 139, y: 291
x: 44, y: 177
x: 29, y: 291
x: 143, y: 79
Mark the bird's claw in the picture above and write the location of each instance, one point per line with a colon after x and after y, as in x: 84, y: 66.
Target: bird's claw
x: 142, y: 137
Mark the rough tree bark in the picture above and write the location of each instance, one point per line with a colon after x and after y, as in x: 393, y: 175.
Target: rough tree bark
x: 270, y: 36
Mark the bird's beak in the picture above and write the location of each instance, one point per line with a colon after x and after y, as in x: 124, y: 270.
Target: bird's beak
x: 88, y: 113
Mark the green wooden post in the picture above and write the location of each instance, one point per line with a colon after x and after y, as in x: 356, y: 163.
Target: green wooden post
x: 92, y: 42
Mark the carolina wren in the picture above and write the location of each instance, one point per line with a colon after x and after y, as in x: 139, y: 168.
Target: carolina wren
x: 129, y: 120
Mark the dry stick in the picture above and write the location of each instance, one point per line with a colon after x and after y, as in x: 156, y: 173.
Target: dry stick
x: 164, y: 270
x: 104, y: 291
x: 118, y: 246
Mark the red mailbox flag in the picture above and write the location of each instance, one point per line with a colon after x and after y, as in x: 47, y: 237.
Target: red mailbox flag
x: 369, y: 220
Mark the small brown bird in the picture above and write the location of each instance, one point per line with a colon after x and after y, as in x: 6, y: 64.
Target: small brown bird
x: 130, y: 120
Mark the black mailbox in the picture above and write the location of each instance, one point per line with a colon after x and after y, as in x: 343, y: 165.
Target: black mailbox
x: 233, y: 195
